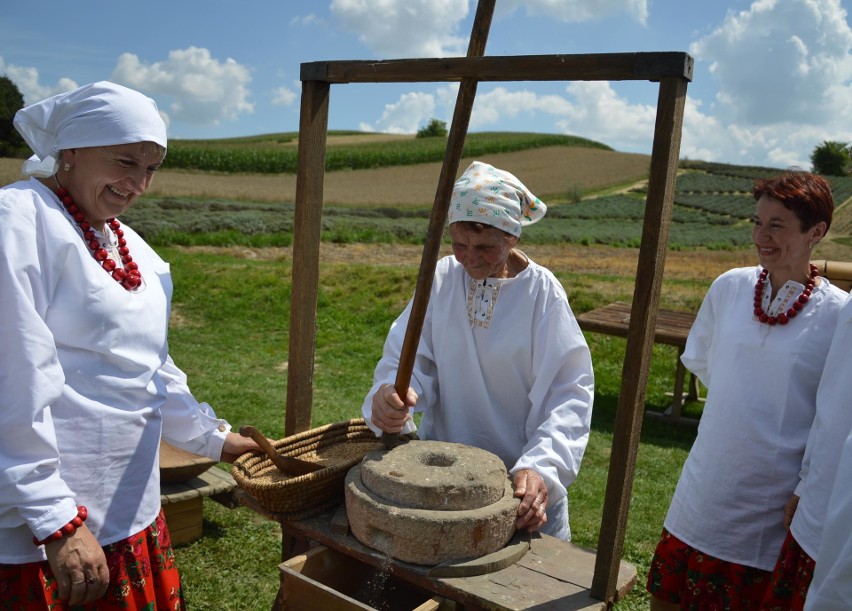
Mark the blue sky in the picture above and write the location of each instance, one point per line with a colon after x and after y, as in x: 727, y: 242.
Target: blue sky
x: 773, y: 78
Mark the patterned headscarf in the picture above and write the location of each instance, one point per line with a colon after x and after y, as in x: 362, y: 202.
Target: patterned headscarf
x: 100, y: 114
x: 484, y: 194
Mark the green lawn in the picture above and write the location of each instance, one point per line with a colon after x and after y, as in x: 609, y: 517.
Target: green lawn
x: 230, y: 334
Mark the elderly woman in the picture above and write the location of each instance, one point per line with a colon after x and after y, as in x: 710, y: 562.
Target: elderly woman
x: 502, y: 364
x: 87, y: 383
x: 759, y: 343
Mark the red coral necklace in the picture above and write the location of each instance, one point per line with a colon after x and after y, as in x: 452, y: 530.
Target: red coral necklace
x: 784, y: 317
x: 129, y: 277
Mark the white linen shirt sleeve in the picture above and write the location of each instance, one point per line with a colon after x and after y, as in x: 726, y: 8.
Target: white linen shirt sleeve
x: 699, y: 342
x: 188, y: 424
x: 31, y: 378
x: 557, y: 427
x: 423, y: 379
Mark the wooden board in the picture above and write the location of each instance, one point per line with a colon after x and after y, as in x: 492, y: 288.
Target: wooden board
x: 554, y: 575
x: 672, y: 327
x: 178, y: 465
x: 185, y: 520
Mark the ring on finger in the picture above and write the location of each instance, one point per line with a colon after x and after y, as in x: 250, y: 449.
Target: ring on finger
x: 91, y: 580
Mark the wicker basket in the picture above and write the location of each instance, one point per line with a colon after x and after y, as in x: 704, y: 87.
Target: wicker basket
x: 338, y: 447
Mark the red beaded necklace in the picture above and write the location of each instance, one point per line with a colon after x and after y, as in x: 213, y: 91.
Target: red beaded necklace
x: 129, y: 277
x: 784, y: 317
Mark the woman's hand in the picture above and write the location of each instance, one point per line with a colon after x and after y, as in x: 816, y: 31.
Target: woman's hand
x: 790, y: 510
x: 237, y: 445
x: 80, y: 567
x: 532, y: 490
x: 390, y: 412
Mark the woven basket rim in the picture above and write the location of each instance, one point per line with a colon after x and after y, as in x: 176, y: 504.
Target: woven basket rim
x: 321, y: 489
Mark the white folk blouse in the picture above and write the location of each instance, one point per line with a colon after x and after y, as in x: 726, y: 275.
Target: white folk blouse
x: 832, y: 424
x: 762, y: 382
x: 86, y: 383
x: 831, y: 588
x: 501, y: 365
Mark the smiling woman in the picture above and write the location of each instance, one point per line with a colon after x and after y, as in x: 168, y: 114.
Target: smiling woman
x: 737, y: 490
x: 88, y: 384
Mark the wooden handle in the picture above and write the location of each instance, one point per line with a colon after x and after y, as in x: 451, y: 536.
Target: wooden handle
x: 285, y: 464
x: 440, y: 209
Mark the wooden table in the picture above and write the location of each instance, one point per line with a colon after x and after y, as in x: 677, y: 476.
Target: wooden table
x: 672, y: 329
x: 183, y: 502
x: 554, y: 575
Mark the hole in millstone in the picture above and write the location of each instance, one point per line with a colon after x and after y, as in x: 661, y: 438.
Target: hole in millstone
x: 395, y: 474
x: 438, y: 460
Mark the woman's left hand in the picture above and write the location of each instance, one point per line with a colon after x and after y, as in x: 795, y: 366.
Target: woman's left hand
x: 532, y: 490
x: 235, y: 446
x: 790, y: 510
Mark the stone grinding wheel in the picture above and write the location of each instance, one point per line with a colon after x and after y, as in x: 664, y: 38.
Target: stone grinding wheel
x: 430, y: 502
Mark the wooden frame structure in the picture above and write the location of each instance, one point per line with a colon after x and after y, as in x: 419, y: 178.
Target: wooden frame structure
x: 672, y: 70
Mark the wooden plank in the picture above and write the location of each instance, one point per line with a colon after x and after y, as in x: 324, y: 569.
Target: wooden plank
x: 646, y: 296
x: 672, y: 327
x: 185, y: 520
x: 307, y: 227
x: 212, y: 482
x: 555, y: 574
x: 585, y: 67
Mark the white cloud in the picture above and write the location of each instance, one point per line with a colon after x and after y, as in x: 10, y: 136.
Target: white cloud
x: 405, y: 28
x: 26, y: 80
x: 405, y: 116
x: 304, y: 20
x: 575, y: 11
x: 781, y: 61
x: 203, y: 90
x: 283, y: 96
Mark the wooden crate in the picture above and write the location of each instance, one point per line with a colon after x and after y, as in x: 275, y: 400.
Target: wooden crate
x: 326, y: 579
x: 184, y: 519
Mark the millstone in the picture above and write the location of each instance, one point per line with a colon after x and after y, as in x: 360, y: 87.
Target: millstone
x: 428, y: 502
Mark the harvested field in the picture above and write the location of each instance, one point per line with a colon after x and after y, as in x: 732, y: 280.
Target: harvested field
x: 547, y: 172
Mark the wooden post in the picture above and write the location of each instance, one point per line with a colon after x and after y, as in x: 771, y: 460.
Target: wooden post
x: 313, y: 124
x: 640, y: 338
x: 440, y: 208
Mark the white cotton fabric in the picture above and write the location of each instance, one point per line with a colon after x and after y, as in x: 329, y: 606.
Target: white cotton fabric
x: 86, y: 382
x: 831, y: 426
x: 762, y: 383
x: 831, y: 587
x: 484, y: 194
x: 100, y: 114
x: 520, y: 387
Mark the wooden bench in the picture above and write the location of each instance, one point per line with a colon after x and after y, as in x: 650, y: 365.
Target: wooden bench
x: 185, y: 479
x: 839, y: 273
x: 672, y: 329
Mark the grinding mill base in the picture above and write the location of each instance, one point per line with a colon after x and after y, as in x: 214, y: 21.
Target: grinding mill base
x: 428, y: 536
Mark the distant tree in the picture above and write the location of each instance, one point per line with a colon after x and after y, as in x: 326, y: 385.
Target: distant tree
x: 434, y: 128
x: 11, y: 101
x: 831, y: 158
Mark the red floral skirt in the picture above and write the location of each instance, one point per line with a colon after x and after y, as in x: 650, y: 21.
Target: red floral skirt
x: 142, y: 575
x: 791, y: 578
x: 684, y: 575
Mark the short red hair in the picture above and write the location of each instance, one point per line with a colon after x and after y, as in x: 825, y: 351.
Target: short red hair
x: 807, y: 195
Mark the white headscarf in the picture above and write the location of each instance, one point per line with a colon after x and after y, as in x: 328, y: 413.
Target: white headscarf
x: 484, y: 194
x: 100, y: 114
